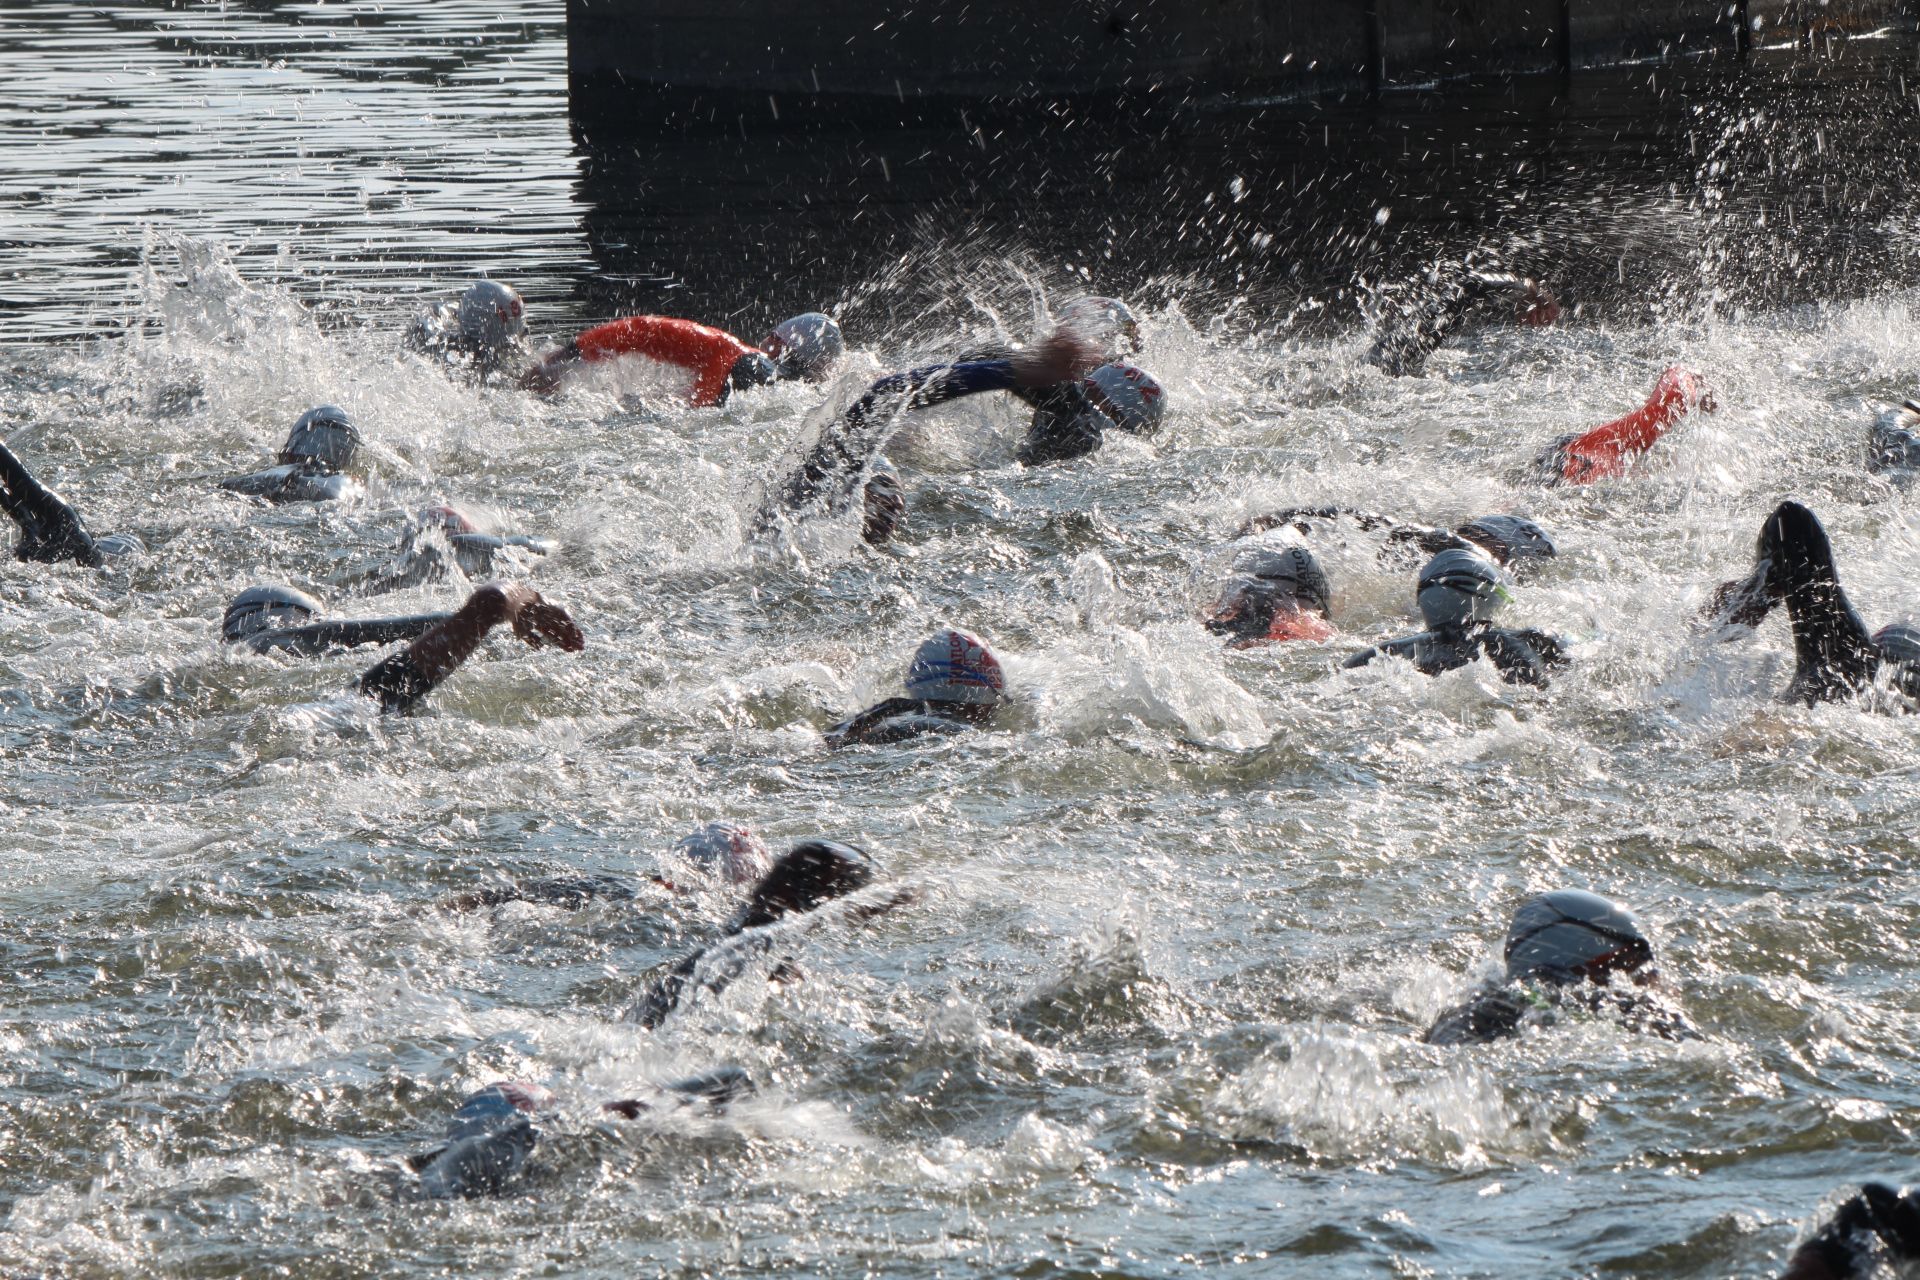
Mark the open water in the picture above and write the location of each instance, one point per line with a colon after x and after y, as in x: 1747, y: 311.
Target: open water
x: 1181, y: 920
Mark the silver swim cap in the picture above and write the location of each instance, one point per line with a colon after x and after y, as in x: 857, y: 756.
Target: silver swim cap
x: 1899, y: 646
x: 326, y: 436
x: 1509, y: 538
x: 1128, y: 395
x: 1295, y: 565
x: 1569, y: 934
x: 491, y: 316
x: 806, y: 346
x: 952, y: 666
x: 266, y: 608
x: 1458, y: 587
x: 726, y: 849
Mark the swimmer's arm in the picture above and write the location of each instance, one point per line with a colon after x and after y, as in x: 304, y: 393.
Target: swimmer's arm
x: 411, y: 674
x: 50, y: 528
x: 1879, y: 1210
x: 347, y: 633
x: 860, y: 729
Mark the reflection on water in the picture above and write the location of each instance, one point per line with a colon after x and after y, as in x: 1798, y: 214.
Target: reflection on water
x: 1182, y: 919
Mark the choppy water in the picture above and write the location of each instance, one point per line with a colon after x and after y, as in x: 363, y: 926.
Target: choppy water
x: 1182, y: 920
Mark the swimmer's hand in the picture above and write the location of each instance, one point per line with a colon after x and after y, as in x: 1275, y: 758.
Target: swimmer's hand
x: 539, y: 624
x: 1536, y: 306
x: 1060, y: 357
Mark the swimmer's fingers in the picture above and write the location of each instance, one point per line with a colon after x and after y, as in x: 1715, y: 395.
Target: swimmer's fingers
x: 539, y: 624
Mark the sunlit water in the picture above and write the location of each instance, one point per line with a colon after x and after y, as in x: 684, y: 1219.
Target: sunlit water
x: 1182, y: 918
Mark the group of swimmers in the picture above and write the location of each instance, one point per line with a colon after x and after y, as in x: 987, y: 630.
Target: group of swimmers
x: 1566, y: 951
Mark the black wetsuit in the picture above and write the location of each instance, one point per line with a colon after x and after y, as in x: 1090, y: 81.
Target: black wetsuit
x: 902, y: 719
x: 306, y: 480
x: 1066, y: 423
x: 51, y: 531
x: 1523, y: 656
x: 1497, y: 1012
x: 567, y: 892
x: 1834, y: 655
x: 1875, y: 1213
x: 314, y: 639
x: 1417, y: 318
x: 436, y: 335
x: 809, y: 875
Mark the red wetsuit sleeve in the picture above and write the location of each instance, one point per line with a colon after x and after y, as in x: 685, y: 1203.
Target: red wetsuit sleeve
x: 1607, y: 449
x: 708, y: 353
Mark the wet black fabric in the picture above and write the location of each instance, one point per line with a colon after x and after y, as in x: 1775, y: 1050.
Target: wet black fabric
x: 395, y: 683
x: 904, y: 719
x: 1521, y: 655
x: 51, y: 531
x: 1416, y: 319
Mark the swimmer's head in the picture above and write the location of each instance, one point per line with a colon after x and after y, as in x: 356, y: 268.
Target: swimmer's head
x: 1458, y: 587
x: 725, y: 851
x: 260, y: 609
x: 1509, y: 538
x: 808, y: 875
x: 1570, y: 936
x: 1108, y: 323
x: 952, y: 666
x: 448, y: 519
x: 752, y: 369
x: 492, y: 316
x: 885, y: 505
x: 1129, y: 397
x: 806, y: 346
x: 1899, y: 646
x: 1267, y: 583
x: 324, y: 437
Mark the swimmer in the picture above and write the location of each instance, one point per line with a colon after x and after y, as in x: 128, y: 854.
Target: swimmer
x: 835, y: 468
x: 1514, y: 542
x: 1274, y: 593
x: 884, y: 508
x: 51, y: 531
x: 1459, y: 591
x: 719, y: 853
x: 804, y: 347
x: 422, y: 555
x: 492, y: 1135
x: 401, y: 680
x: 1876, y: 1231
x: 1417, y: 317
x: 272, y: 619
x: 1563, y: 951
x: 1834, y: 656
x: 484, y: 331
x: 1071, y: 417
x: 1893, y: 445
x: 314, y: 463
x: 954, y: 683
x: 807, y: 877
x: 1608, y: 450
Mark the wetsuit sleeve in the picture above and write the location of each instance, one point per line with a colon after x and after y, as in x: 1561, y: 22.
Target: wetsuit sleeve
x: 1876, y: 1211
x: 708, y: 353
x: 1834, y: 654
x: 395, y: 682
x: 831, y: 471
x: 324, y: 637
x: 1413, y: 326
x: 50, y: 529
x: 1523, y: 656
x: 895, y: 720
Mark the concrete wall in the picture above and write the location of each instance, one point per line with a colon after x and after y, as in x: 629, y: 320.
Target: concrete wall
x: 1028, y: 48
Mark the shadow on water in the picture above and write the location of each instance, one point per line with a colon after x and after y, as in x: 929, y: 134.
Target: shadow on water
x: 1784, y: 178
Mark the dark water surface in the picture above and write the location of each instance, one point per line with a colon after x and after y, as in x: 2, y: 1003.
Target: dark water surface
x: 1181, y: 920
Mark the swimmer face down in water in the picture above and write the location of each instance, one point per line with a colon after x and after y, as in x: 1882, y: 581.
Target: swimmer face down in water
x: 954, y: 683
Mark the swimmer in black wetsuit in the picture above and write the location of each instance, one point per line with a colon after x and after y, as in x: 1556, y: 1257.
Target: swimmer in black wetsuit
x: 954, y: 683
x: 492, y: 1136
x: 1459, y: 593
x: 807, y: 877
x: 483, y: 331
x: 1834, y: 656
x: 51, y: 531
x: 1563, y: 951
x: 314, y: 463
x: 281, y: 620
x: 834, y: 469
x: 1415, y: 318
x: 445, y: 538
x: 1513, y: 541
x: 399, y: 681
x: 1878, y: 1228
x: 1072, y: 416
x: 717, y: 853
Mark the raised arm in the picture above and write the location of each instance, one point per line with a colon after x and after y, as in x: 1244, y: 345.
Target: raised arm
x: 404, y: 678
x: 50, y: 529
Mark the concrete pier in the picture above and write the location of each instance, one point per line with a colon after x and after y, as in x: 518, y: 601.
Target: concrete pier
x: 1022, y: 49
